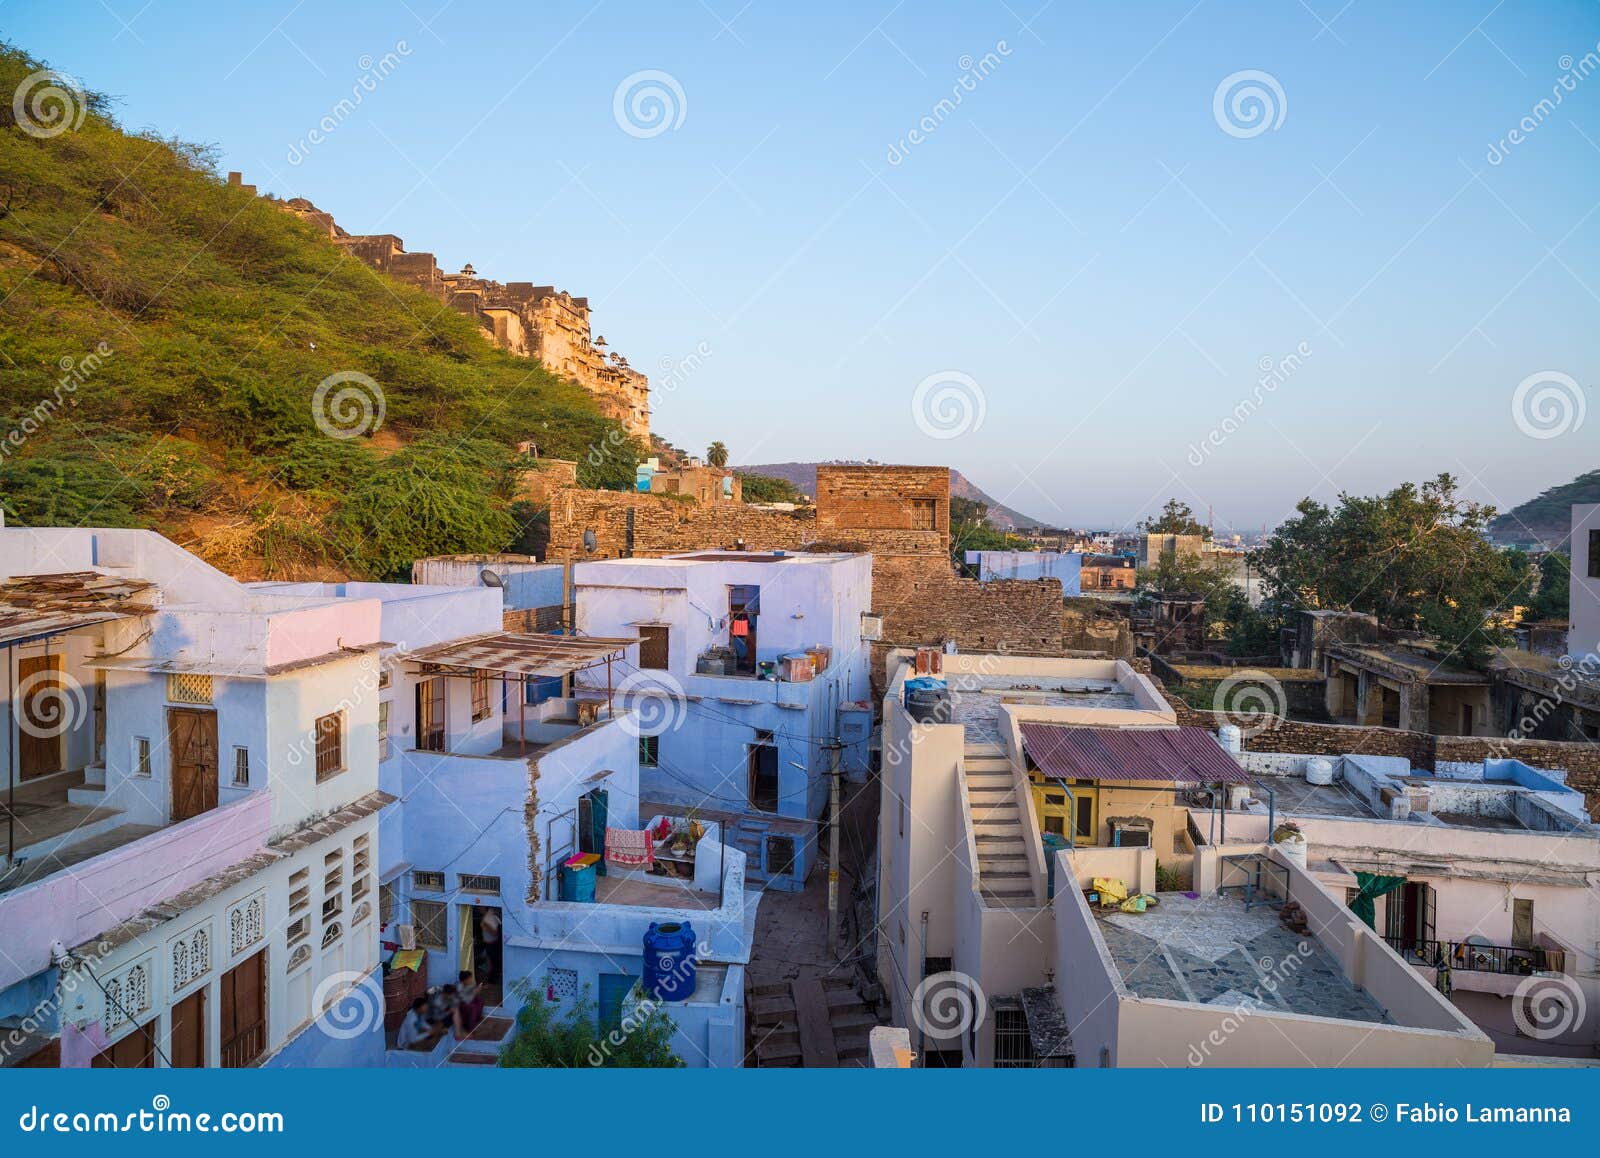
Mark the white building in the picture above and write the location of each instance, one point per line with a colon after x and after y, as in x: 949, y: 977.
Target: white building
x: 748, y: 667
x: 1583, y: 631
x: 192, y: 809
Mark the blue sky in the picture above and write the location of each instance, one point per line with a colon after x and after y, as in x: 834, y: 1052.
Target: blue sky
x: 1080, y: 250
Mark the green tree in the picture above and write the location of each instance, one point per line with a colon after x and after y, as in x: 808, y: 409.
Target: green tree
x: 717, y: 455
x: 550, y: 1037
x: 1552, y: 597
x: 1175, y: 519
x: 762, y: 488
x: 971, y: 530
x: 1416, y: 558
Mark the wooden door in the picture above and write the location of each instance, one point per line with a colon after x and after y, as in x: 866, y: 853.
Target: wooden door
x: 136, y: 1051
x: 243, y: 998
x: 192, y: 740
x: 189, y: 1032
x: 39, y: 750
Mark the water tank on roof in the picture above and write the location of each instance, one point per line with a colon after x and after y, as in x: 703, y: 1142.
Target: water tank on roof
x: 669, y: 964
x: 1232, y: 739
x: 1319, y: 771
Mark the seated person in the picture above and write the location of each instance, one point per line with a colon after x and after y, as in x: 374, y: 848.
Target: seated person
x: 444, y: 1010
x: 415, y: 1031
x: 471, y: 1001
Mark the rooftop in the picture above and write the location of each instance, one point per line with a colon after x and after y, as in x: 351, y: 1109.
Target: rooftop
x: 1215, y: 950
x: 976, y: 699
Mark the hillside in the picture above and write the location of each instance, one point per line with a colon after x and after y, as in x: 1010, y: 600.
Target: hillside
x: 804, y: 476
x: 182, y: 355
x: 1547, y: 519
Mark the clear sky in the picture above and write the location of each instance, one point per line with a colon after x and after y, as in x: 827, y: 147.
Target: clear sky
x: 1091, y: 249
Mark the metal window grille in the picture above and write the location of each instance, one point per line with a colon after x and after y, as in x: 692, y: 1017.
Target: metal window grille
x: 428, y: 918
x: 428, y: 880
x: 480, y: 696
x: 1013, y: 1044
x: 330, y: 745
x: 478, y: 883
x: 241, y: 767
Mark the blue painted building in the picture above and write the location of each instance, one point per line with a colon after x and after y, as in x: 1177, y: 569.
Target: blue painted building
x: 742, y: 663
x: 1066, y: 566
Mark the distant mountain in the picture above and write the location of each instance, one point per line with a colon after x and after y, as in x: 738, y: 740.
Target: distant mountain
x: 804, y: 476
x: 1546, y: 521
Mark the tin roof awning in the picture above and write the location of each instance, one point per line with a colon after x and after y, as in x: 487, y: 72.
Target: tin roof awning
x: 36, y: 606
x: 517, y: 654
x: 1182, y: 755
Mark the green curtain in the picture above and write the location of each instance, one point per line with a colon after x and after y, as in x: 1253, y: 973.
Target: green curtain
x: 1371, y: 886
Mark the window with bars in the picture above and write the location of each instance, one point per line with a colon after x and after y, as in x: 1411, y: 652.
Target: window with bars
x: 649, y: 751
x: 428, y: 881
x: 141, y: 756
x: 383, y: 730
x: 330, y: 745
x: 478, y: 883
x: 480, y: 696
x: 388, y: 902
x: 428, y: 918
x: 188, y: 688
x: 1013, y: 1044
x: 241, y: 767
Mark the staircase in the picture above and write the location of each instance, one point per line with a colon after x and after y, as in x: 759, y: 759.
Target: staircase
x: 812, y: 1022
x: 748, y: 835
x: 997, y: 829
x: 482, y: 1046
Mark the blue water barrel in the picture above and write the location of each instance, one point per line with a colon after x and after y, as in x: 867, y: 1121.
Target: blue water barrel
x: 577, y: 883
x: 669, y: 964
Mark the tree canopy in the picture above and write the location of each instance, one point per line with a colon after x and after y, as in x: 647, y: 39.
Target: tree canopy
x: 551, y: 1036
x: 1175, y: 519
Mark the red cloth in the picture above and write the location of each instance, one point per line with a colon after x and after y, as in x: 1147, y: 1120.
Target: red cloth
x: 630, y: 848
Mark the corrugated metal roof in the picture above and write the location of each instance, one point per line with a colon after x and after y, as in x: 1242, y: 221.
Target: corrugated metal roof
x: 513, y: 653
x: 1185, y: 755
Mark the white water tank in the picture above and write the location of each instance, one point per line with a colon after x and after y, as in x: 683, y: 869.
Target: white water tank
x: 1231, y: 737
x: 1294, y: 850
x: 1319, y: 771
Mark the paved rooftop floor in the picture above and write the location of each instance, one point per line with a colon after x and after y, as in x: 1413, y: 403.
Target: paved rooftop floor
x: 1212, y: 950
x: 975, y: 699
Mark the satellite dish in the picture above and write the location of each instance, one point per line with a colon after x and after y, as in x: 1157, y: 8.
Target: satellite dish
x: 491, y: 578
x: 589, y: 542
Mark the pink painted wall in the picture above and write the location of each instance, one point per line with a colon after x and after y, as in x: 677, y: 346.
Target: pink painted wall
x: 316, y: 631
x: 81, y: 902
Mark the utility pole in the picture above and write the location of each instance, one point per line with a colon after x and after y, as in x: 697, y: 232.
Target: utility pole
x: 833, y: 746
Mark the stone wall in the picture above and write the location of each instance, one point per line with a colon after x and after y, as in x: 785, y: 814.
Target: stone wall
x: 905, y: 510
x: 665, y: 526
x: 1580, y: 760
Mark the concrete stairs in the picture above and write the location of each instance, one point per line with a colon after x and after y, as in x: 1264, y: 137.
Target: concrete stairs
x: 482, y: 1046
x: 812, y: 1022
x: 997, y: 829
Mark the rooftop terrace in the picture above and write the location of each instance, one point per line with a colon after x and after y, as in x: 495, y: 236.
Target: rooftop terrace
x: 1216, y: 951
x: 976, y: 699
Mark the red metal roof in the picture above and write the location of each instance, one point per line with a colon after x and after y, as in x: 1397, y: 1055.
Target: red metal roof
x: 1189, y: 755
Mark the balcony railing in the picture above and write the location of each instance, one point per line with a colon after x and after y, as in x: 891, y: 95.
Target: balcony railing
x: 1507, y: 959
